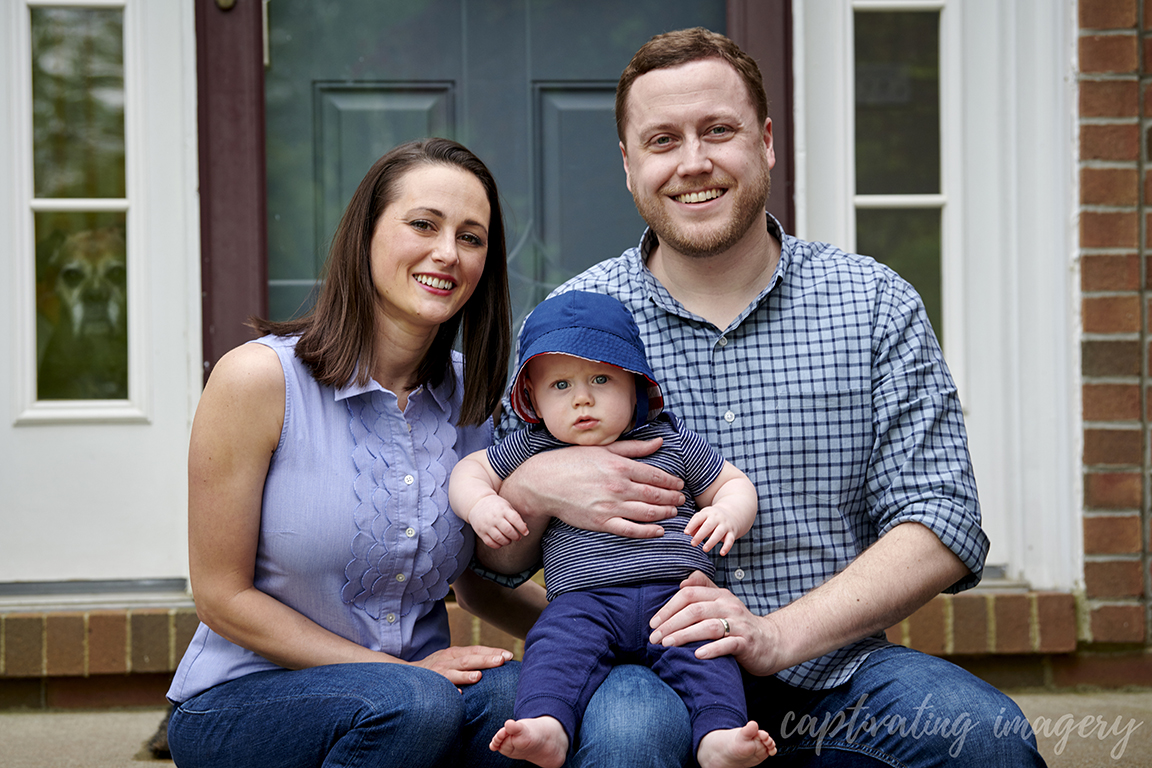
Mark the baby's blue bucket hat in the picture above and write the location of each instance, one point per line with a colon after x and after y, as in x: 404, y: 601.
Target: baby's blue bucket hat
x: 594, y: 327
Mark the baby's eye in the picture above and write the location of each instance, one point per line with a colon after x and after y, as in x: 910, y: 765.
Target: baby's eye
x: 561, y: 385
x: 600, y: 379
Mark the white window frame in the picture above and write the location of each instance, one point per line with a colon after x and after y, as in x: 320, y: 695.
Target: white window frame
x: 1009, y: 263
x: 28, y: 409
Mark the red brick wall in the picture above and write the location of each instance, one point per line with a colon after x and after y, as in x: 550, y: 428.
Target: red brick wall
x: 1115, y: 53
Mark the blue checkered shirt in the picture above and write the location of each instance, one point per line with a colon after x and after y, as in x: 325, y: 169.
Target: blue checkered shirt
x: 831, y: 393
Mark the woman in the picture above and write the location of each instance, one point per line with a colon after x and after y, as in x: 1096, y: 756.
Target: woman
x: 321, y: 543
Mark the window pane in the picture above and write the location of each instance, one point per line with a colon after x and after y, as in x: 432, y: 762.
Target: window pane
x: 897, y: 102
x: 78, y: 102
x: 81, y: 306
x: 908, y: 241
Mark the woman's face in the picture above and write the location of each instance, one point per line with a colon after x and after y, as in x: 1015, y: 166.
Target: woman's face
x: 429, y: 245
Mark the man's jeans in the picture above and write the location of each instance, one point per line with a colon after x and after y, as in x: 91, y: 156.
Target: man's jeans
x: 386, y: 715
x: 901, y: 708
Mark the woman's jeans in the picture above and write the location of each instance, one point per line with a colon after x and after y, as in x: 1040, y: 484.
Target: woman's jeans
x: 386, y: 715
x: 901, y: 708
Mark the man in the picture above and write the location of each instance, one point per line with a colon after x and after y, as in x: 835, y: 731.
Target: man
x: 817, y: 373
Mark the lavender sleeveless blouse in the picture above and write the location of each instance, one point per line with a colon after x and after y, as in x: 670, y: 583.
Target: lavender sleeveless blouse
x: 355, y: 529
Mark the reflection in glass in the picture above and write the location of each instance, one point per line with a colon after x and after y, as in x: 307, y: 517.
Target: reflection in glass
x: 78, y: 102
x: 81, y: 306
x: 897, y: 102
x: 908, y: 241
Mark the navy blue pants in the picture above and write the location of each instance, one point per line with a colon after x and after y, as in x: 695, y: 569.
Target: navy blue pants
x: 582, y: 635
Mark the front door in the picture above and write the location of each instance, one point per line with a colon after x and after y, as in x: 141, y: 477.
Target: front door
x: 528, y: 85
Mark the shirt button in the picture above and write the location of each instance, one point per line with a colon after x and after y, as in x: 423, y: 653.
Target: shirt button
x: 729, y: 417
x: 410, y: 532
x: 408, y: 479
x: 723, y: 341
x: 739, y: 574
x: 399, y: 577
x: 390, y: 618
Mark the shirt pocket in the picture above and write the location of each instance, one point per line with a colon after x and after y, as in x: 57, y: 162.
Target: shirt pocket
x: 819, y: 444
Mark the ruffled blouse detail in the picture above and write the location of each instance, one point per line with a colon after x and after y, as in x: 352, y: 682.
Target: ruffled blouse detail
x: 407, y: 546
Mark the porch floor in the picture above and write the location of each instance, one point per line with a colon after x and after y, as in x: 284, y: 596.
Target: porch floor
x: 117, y: 738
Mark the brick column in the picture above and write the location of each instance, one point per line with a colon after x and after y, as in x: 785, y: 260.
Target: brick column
x: 1114, y: 239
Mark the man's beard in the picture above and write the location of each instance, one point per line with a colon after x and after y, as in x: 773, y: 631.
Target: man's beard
x: 747, y: 211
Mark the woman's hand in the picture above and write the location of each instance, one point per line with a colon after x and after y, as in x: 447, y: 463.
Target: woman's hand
x: 464, y: 665
x: 698, y: 612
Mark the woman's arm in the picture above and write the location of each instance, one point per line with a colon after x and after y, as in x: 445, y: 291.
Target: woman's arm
x: 236, y: 430
x: 512, y: 610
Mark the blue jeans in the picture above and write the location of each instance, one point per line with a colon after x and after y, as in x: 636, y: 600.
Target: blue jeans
x: 379, y: 715
x: 901, y: 708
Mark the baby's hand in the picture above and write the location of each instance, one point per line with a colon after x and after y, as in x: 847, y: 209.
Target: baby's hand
x: 496, y: 522
x: 711, y: 525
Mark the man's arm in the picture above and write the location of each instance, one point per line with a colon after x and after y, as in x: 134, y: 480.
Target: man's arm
x: 886, y: 583
x: 590, y: 487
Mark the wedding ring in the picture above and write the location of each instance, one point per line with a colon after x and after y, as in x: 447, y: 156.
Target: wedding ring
x: 727, y: 628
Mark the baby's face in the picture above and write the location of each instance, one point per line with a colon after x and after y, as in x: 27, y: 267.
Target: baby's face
x: 582, y: 402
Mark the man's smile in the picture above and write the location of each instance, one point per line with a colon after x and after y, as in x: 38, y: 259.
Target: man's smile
x: 699, y: 197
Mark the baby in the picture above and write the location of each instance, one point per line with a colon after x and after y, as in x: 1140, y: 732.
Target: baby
x: 582, y: 371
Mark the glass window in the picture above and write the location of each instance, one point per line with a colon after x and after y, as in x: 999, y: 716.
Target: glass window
x: 908, y: 240
x: 78, y: 150
x: 897, y: 102
x: 898, y: 153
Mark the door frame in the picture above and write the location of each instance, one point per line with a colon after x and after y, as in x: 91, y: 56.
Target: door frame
x: 230, y: 56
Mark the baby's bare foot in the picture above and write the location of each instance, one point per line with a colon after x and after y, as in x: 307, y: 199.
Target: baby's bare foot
x: 539, y: 740
x: 735, y: 748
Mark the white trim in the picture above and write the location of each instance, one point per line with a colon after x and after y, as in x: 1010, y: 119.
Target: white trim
x: 75, y: 3
x: 899, y: 201
x: 83, y: 204
x: 799, y: 117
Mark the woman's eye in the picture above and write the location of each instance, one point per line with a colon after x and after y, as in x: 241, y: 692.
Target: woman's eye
x: 420, y: 224
x: 472, y: 239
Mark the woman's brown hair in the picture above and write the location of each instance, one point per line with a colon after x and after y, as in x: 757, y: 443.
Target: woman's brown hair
x: 336, y: 336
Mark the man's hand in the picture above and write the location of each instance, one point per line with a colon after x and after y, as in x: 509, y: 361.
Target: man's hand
x: 883, y: 585
x: 697, y: 613
x: 597, y: 489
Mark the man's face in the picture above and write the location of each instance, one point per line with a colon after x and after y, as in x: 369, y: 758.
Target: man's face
x: 697, y: 160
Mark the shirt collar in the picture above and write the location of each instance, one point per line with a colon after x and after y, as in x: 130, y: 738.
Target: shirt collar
x: 655, y: 291
x: 441, y: 394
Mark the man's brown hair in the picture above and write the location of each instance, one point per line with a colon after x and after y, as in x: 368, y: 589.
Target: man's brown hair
x: 682, y: 46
